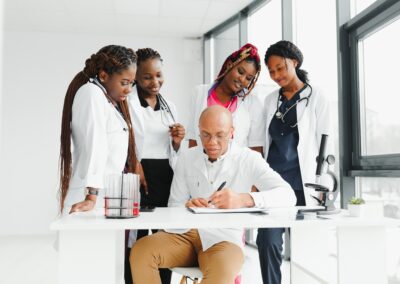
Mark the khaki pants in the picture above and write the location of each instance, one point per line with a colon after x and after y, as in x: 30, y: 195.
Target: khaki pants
x: 219, y: 264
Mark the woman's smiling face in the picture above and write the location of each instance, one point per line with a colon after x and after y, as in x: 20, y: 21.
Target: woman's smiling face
x: 240, y: 76
x: 149, y: 77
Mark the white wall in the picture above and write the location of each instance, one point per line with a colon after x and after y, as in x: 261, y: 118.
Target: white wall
x: 38, y: 68
x: 1, y: 65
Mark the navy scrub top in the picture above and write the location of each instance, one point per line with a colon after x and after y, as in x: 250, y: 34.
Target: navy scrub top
x: 282, y: 154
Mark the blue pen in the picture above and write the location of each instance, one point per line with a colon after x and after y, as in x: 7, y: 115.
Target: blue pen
x: 219, y: 188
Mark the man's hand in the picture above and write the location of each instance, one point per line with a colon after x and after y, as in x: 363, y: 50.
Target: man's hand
x: 227, y: 199
x: 197, y: 202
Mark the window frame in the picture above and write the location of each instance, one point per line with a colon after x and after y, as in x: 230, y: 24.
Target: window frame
x: 355, y: 30
x: 240, y: 19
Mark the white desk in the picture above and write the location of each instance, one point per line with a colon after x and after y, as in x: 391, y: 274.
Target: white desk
x: 91, y: 247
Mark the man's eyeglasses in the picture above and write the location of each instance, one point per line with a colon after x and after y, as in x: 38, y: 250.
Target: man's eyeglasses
x: 220, y: 137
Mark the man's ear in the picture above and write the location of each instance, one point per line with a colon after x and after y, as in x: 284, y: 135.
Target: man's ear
x: 232, y: 130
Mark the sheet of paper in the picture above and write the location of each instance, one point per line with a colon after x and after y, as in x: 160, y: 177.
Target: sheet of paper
x: 207, y: 210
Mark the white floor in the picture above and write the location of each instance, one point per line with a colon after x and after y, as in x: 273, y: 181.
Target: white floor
x: 33, y: 260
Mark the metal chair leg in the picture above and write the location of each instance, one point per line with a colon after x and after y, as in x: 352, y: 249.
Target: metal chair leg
x: 286, y: 254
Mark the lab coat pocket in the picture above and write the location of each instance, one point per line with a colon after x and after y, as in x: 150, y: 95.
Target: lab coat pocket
x: 116, y: 123
x: 116, y: 131
x: 197, y: 187
x: 115, y: 127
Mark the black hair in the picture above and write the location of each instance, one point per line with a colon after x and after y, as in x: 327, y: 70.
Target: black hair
x: 287, y: 49
x: 147, y: 53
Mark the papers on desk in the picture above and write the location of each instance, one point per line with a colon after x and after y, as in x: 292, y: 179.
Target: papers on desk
x: 208, y: 210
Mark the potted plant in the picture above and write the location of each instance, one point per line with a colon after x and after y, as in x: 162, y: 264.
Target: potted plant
x: 355, y: 206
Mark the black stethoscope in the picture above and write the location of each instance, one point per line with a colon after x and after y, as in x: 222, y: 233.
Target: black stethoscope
x: 96, y: 82
x: 165, y: 107
x: 281, y: 116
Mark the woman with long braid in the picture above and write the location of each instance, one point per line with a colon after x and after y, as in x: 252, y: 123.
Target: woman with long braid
x: 97, y: 121
x: 231, y: 89
x: 158, y: 137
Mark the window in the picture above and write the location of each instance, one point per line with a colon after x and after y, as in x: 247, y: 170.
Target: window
x: 225, y: 43
x: 370, y: 131
x: 264, y: 29
x: 373, y: 70
x: 357, y: 6
x: 378, y: 73
x: 383, y: 191
x: 318, y: 44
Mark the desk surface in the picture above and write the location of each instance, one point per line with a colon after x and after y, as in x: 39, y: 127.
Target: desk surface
x: 181, y: 218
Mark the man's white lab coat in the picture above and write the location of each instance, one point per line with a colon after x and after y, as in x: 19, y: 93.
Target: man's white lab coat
x: 240, y: 168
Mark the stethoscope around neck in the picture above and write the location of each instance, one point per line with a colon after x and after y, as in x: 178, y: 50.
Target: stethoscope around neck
x: 96, y: 82
x: 165, y: 108
x: 281, y: 116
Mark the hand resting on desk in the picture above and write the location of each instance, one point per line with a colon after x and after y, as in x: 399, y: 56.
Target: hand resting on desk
x: 85, y: 205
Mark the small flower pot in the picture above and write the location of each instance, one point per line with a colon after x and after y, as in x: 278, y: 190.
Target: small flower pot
x: 356, y: 210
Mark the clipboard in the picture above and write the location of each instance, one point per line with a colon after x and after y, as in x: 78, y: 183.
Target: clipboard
x: 208, y: 210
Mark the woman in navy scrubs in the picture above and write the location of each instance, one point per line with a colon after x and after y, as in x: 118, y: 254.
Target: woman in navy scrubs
x: 296, y: 116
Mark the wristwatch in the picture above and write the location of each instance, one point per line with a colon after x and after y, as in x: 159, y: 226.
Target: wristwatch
x: 91, y: 191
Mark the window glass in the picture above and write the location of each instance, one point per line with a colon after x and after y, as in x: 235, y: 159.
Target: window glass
x: 378, y: 74
x: 384, y: 191
x: 264, y: 29
x: 224, y: 44
x: 357, y: 6
x: 315, y: 35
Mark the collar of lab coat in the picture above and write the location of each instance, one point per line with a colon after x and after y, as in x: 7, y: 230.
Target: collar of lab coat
x: 200, y: 160
x: 219, y: 158
x: 136, y: 112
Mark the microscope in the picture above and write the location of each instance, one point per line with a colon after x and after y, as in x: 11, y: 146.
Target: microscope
x: 328, y: 196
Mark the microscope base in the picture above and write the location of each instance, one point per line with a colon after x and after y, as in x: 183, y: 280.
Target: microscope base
x: 329, y: 211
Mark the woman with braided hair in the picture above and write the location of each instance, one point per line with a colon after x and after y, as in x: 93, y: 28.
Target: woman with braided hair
x: 296, y: 116
x: 158, y: 137
x: 97, y: 121
x: 231, y: 89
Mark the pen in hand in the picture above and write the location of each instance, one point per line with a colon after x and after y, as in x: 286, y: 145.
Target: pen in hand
x: 219, y: 188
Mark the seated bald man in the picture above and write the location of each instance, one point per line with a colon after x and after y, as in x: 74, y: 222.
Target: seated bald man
x: 199, y: 172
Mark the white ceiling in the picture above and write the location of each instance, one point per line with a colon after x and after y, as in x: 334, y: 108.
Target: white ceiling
x: 176, y: 18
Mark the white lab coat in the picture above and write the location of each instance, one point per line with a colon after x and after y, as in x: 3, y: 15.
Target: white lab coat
x: 139, y: 130
x: 247, y: 118
x: 241, y: 168
x: 313, y: 121
x: 100, y: 141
